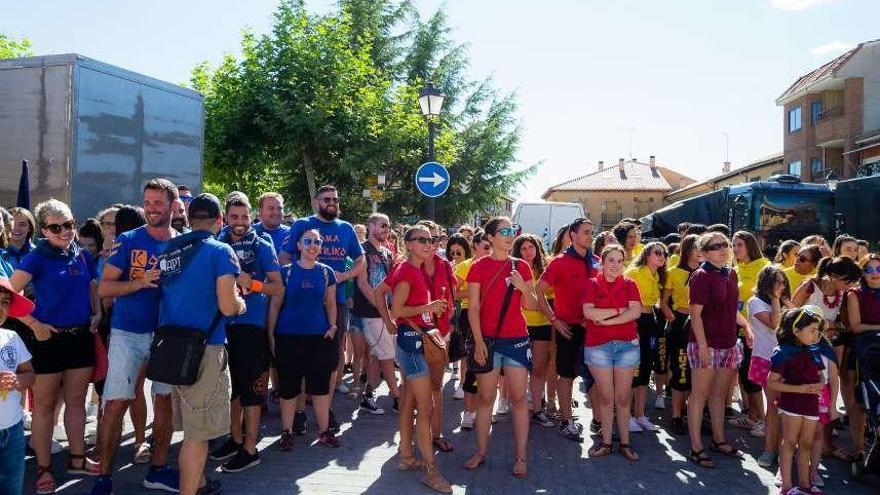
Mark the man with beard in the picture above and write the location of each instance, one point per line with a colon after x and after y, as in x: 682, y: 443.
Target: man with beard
x: 247, y: 340
x: 178, y: 216
x: 131, y: 276
x: 340, y: 242
x: 377, y: 338
x: 271, y: 205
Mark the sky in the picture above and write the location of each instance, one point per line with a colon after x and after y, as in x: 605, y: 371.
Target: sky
x: 684, y: 80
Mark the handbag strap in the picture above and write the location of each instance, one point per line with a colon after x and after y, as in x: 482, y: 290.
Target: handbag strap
x: 213, y: 327
x: 505, y: 304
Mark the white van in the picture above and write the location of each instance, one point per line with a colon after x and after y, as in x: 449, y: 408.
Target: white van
x: 544, y: 219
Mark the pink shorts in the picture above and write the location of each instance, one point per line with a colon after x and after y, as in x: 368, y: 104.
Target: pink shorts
x: 729, y: 358
x: 825, y: 405
x: 759, y: 371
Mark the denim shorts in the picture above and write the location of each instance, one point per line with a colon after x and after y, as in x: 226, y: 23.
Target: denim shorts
x: 412, y: 364
x: 614, y: 354
x: 512, y: 353
x: 356, y: 324
x: 127, y: 352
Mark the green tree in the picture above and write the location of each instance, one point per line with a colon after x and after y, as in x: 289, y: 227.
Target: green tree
x: 12, y: 48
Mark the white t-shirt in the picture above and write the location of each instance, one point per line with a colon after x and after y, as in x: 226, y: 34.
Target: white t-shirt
x: 765, y: 337
x: 12, y: 354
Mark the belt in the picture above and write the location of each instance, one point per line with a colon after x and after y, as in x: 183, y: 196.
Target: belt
x: 72, y: 329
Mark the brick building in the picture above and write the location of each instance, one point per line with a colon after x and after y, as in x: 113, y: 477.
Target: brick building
x: 828, y: 111
x: 630, y: 189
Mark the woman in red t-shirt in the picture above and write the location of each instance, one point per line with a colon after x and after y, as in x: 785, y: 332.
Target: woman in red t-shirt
x: 612, y: 305
x: 492, y: 281
x: 411, y: 304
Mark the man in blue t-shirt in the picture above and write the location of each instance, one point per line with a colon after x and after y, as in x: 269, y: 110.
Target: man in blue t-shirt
x: 196, y: 293
x: 340, y: 242
x: 247, y: 340
x: 271, y: 205
x: 131, y: 275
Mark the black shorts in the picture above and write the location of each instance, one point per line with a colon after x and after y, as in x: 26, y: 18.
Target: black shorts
x: 342, y: 321
x: 540, y: 333
x: 248, y: 349
x: 309, y: 357
x: 70, y: 349
x: 469, y: 385
x: 570, y: 353
x: 745, y: 384
x: 650, y: 332
x: 676, y: 351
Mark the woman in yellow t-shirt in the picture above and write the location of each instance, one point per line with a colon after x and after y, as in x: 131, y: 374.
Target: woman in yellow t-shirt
x: 749, y: 263
x: 786, y: 254
x: 804, y: 266
x: 649, y: 272
x: 675, y: 304
x: 531, y: 250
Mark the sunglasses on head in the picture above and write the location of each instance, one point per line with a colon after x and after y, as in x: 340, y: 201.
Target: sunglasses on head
x: 57, y: 228
x: 805, y: 311
x: 330, y: 200
x: 420, y: 239
x: 718, y: 245
x: 308, y: 241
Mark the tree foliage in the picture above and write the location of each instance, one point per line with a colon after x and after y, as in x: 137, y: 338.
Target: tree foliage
x: 13, y: 48
x: 334, y: 99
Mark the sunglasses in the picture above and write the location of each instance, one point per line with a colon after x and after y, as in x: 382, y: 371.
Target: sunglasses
x: 435, y: 239
x: 457, y: 253
x: 659, y: 253
x: 804, y: 259
x: 383, y: 225
x: 308, y: 241
x: 57, y: 228
x: 510, y: 231
x: 805, y: 311
x: 717, y: 246
x: 869, y: 270
x: 420, y: 240
x: 327, y: 201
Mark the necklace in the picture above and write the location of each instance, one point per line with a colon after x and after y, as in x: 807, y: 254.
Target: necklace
x: 830, y: 302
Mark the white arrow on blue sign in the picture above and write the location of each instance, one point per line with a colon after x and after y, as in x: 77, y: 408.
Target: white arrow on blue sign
x: 432, y: 179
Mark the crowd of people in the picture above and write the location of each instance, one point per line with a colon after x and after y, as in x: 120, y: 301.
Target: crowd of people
x: 284, y: 309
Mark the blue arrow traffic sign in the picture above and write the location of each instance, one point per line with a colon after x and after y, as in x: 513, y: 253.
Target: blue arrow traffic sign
x: 432, y: 179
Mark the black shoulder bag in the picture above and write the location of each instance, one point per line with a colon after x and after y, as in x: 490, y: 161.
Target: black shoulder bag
x: 473, y: 365
x: 176, y: 352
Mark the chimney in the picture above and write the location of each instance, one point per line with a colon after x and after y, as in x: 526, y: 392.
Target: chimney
x: 601, y: 165
x: 726, y: 168
x: 653, y: 163
x: 621, y: 169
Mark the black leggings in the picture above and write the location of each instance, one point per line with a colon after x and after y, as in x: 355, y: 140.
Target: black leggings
x: 650, y: 333
x: 676, y: 347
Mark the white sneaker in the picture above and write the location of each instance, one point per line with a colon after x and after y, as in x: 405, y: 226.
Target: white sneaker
x: 778, y: 480
x: 660, y: 402
x: 458, y: 394
x: 468, y: 418
x: 634, y: 425
x: 455, y: 375
x: 91, y: 413
x: 503, y: 407
x: 91, y: 438
x: 759, y: 430
x: 27, y: 417
x: 742, y: 421
x: 343, y: 388
x: 646, y: 424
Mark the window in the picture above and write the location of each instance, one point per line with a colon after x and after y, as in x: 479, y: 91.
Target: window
x: 794, y: 168
x: 816, y: 167
x: 794, y: 119
x: 815, y: 111
x: 611, y: 213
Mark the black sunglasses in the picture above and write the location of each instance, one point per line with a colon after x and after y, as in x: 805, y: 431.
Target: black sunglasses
x: 420, y: 240
x: 57, y: 228
x: 717, y: 246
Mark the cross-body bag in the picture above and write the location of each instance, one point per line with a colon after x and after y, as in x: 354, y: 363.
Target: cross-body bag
x: 473, y: 365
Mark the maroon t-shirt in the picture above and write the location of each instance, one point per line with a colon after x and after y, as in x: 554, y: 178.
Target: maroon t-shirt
x: 869, y: 305
x: 798, y: 369
x: 568, y: 276
x: 716, y: 290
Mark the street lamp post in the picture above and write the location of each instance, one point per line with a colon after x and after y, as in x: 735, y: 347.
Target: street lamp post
x: 431, y: 102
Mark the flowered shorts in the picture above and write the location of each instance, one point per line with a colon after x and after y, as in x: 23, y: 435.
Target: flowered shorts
x: 729, y: 358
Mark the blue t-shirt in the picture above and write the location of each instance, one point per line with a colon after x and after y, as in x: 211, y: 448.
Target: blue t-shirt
x: 190, y: 299
x: 340, y: 242
x: 6, y: 268
x: 61, y: 282
x: 13, y: 256
x: 302, y: 312
x: 278, y: 235
x: 256, y: 257
x: 134, y: 253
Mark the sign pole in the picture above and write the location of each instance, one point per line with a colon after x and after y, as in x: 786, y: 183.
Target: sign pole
x: 432, y: 204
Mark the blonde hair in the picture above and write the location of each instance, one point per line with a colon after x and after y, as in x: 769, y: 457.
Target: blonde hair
x: 51, y: 207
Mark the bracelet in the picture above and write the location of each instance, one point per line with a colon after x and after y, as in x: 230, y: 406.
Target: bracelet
x: 256, y: 285
x: 553, y: 319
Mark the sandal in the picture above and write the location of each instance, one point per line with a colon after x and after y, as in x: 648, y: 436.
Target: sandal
x: 628, y: 453
x: 443, y: 444
x: 600, y: 450
x: 474, y: 462
x: 434, y: 480
x: 701, y: 459
x: 44, y: 485
x: 87, y: 468
x: 732, y: 452
x: 409, y: 463
x: 520, y: 474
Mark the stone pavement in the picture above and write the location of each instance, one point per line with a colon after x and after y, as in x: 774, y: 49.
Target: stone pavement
x: 366, y: 463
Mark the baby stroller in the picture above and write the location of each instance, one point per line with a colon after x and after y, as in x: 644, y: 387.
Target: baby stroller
x: 867, y: 355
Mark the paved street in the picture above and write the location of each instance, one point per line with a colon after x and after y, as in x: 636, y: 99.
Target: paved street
x: 366, y: 463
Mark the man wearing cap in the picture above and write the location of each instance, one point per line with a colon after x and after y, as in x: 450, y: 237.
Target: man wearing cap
x: 16, y: 376
x: 131, y: 276
x: 192, y: 295
x: 247, y: 340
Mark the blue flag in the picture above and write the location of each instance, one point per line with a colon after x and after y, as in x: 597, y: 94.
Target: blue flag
x: 24, y: 187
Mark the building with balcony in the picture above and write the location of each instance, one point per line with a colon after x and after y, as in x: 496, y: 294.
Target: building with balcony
x: 828, y: 111
x: 630, y: 189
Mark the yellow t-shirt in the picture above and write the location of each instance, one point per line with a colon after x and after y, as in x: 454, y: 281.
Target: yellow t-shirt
x: 637, y: 249
x: 676, y: 283
x: 795, y: 279
x: 534, y: 317
x: 649, y: 285
x: 461, y: 271
x: 672, y: 262
x: 747, y: 273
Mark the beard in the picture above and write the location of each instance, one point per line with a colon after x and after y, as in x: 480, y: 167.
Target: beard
x: 329, y: 214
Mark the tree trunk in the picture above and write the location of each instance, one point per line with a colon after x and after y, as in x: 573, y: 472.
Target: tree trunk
x: 309, y: 168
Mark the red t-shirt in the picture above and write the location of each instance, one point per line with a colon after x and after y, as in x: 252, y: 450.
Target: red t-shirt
x: 568, y: 276
x: 513, y: 324
x: 717, y: 291
x: 443, y: 277
x: 605, y: 295
x: 418, y: 292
